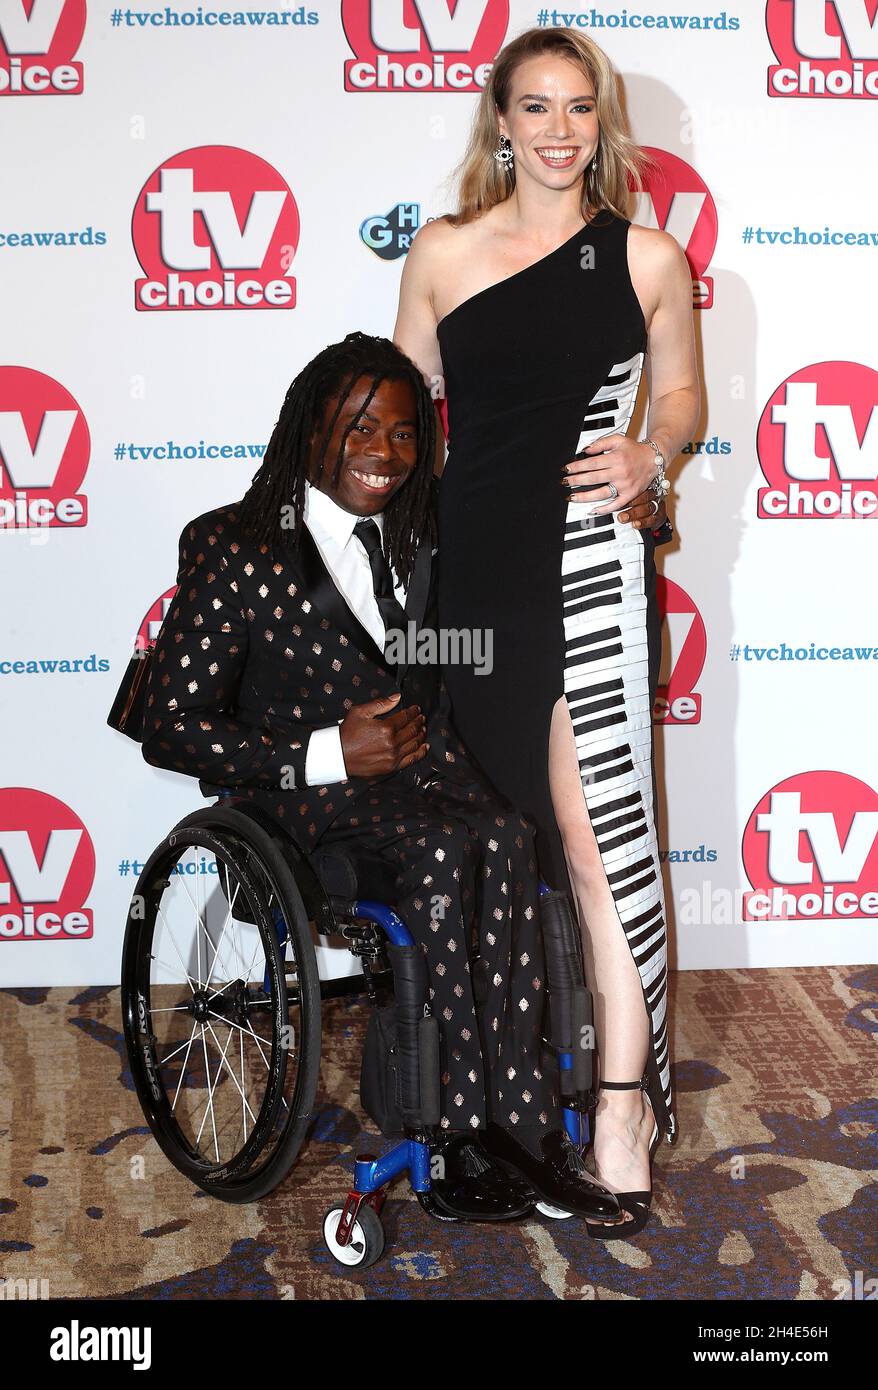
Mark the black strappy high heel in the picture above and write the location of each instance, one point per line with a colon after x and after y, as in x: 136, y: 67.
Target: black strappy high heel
x: 637, y: 1204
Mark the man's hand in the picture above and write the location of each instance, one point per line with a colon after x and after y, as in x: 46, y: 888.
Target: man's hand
x: 373, y: 747
x: 641, y: 513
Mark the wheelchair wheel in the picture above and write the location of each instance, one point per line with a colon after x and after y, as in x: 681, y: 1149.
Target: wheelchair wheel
x: 366, y: 1244
x: 221, y: 1004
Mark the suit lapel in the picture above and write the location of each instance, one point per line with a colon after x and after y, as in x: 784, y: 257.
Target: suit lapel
x: 419, y: 585
x: 324, y: 595
x: 416, y: 595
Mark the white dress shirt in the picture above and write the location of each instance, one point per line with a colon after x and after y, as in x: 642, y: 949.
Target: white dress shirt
x: 347, y: 561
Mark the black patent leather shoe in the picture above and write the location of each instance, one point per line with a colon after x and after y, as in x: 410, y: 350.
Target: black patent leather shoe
x: 558, y: 1177
x: 474, y: 1187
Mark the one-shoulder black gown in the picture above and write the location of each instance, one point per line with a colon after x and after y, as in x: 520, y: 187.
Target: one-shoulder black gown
x: 536, y: 367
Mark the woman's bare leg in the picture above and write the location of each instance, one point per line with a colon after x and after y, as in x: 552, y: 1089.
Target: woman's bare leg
x: 623, y: 1120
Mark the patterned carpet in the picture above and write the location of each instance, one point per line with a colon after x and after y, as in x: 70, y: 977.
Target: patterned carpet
x: 769, y: 1193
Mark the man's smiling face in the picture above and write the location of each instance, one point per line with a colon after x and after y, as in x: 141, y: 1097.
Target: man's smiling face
x: 381, y: 449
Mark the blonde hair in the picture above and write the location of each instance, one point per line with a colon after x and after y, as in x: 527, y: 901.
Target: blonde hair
x: 483, y: 182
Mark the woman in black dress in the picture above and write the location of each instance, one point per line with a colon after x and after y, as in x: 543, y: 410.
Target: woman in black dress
x: 541, y: 305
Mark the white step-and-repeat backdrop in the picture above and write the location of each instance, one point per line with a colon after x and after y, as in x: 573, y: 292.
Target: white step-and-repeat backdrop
x: 197, y: 200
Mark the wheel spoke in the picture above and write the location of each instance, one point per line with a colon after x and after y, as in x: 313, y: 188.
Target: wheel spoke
x: 219, y: 943
x: 198, y: 920
x: 208, y: 1110
x: 230, y: 899
x: 177, y: 949
x: 214, y: 1099
x: 183, y: 1065
x: 171, y: 969
x: 165, y: 1060
x: 224, y: 1062
x: 247, y: 1031
x: 243, y: 1084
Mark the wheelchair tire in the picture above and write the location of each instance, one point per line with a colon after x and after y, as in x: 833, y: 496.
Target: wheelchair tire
x: 366, y: 1245
x: 252, y: 863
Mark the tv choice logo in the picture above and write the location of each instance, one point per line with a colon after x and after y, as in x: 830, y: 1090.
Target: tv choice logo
x: 47, y: 868
x: 684, y: 649
x: 810, y: 850
x: 421, y: 45
x: 37, y: 44
x: 676, y: 199
x: 152, y: 621
x: 44, y: 452
x: 390, y: 234
x: 215, y: 227
x: 824, y: 50
x: 817, y: 443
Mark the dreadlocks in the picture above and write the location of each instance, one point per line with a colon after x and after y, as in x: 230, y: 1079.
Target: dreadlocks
x: 278, y: 488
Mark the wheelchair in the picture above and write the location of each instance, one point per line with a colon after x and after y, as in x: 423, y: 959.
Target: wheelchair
x: 221, y: 1005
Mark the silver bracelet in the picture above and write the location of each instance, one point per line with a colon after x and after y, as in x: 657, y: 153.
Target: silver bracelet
x: 660, y: 485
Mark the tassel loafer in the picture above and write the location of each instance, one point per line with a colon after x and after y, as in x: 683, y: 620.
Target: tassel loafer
x: 556, y: 1176
x: 474, y: 1187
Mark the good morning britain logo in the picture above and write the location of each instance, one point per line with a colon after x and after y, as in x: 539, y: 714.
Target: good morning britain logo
x: 38, y: 41
x: 422, y: 45
x: 215, y: 227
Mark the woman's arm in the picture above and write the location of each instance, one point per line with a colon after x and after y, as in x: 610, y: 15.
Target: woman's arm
x: 671, y: 367
x: 664, y: 277
x: 415, y: 329
x: 196, y: 669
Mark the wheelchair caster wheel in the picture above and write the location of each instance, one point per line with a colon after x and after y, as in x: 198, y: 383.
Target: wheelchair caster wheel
x: 556, y: 1213
x: 366, y: 1244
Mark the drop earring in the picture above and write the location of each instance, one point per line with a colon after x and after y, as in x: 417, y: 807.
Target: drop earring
x: 503, y: 153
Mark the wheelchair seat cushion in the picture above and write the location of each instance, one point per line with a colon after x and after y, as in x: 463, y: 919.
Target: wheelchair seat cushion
x: 343, y: 870
x: 346, y: 872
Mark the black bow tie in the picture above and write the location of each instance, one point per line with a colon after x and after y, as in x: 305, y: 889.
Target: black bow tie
x: 391, y: 610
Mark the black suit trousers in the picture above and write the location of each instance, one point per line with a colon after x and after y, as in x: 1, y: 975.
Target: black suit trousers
x: 467, y: 889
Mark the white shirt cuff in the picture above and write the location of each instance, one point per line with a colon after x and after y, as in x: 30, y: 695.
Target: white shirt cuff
x: 325, y: 760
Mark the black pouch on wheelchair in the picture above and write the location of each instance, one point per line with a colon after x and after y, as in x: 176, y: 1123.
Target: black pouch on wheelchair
x: 379, y: 1073
x: 399, y: 1078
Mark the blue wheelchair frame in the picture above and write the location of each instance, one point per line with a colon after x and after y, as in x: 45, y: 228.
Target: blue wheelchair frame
x: 412, y: 1156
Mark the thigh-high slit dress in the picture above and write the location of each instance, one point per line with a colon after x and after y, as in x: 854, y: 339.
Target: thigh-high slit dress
x: 536, y: 367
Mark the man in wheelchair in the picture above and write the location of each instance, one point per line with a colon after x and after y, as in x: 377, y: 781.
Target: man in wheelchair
x: 270, y: 678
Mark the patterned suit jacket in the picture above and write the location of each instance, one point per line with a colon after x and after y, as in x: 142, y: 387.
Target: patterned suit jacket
x: 257, y: 653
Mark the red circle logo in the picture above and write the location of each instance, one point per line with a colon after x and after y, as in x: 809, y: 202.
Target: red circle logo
x: 47, y: 868
x: 44, y: 452
x: 810, y: 849
x: 418, y: 47
x: 677, y: 200
x: 816, y: 444
x: 215, y: 228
